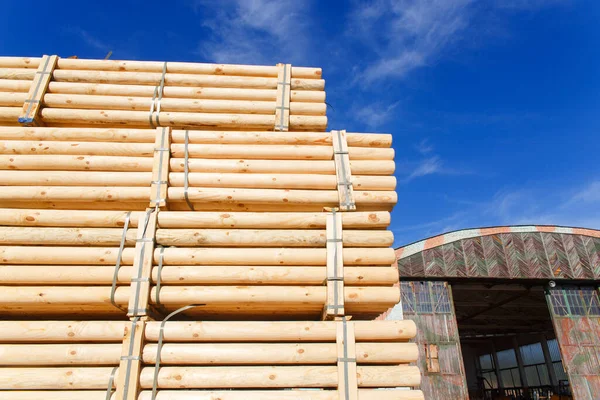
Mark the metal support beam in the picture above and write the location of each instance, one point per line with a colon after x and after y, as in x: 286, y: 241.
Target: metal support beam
x: 496, y: 366
x: 494, y: 306
x: 522, y: 375
x: 549, y: 365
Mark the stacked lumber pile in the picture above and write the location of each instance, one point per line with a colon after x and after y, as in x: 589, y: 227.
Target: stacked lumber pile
x: 235, y: 171
x: 252, y: 360
x: 75, y: 92
x: 239, y: 263
x: 135, y: 195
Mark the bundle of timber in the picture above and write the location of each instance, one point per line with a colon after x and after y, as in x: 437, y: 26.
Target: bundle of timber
x: 55, y: 91
x: 247, y: 265
x: 208, y: 360
x: 130, y: 169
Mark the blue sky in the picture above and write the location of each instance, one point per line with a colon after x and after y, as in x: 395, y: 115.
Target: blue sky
x: 493, y: 104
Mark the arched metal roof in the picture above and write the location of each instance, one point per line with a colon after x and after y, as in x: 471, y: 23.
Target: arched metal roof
x: 531, y: 252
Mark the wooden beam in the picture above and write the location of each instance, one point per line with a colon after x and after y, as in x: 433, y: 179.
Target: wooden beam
x: 346, y: 365
x: 334, y: 306
x: 342, y: 171
x: 494, y: 306
x: 37, y: 90
x: 160, y: 167
x: 130, y: 366
x: 282, y: 106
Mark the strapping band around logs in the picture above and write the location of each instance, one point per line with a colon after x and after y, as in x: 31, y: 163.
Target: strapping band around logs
x: 130, y: 357
x: 342, y: 171
x: 31, y: 101
x: 282, y: 107
x: 160, y: 344
x: 156, y: 98
x: 118, y: 263
x: 111, y: 381
x: 138, y: 278
x: 186, y: 171
x: 161, y: 256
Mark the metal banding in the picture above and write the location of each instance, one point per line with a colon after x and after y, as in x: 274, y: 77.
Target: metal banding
x: 162, y: 148
x: 143, y: 240
x: 346, y: 374
x: 160, y: 93
x: 111, y: 381
x: 347, y: 201
x: 118, y: 263
x: 186, y: 170
x: 160, y: 343
x: 159, y: 272
x: 336, y: 294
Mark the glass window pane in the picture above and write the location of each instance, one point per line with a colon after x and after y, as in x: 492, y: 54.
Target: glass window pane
x: 575, y: 301
x: 543, y: 374
x: 590, y: 299
x: 423, y: 298
x: 440, y: 294
x: 486, y: 362
x: 408, y: 297
x: 558, y: 303
x: 532, y: 376
x: 516, y: 377
x: 507, y: 379
x: 506, y: 359
x: 559, y: 370
x: 554, y: 350
x: 532, y: 354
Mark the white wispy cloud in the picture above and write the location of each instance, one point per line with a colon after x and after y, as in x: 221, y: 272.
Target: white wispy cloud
x: 255, y: 31
x: 89, y: 39
x: 404, y: 35
x: 588, y: 194
x: 428, y: 166
x: 375, y: 114
x: 424, y: 147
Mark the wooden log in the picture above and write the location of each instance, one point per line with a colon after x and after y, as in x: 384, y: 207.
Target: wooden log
x: 171, y: 79
x: 67, y: 205
x: 9, y: 85
x: 10, y: 115
x: 325, y: 198
x: 76, y: 148
x: 276, y: 377
x: 80, y: 178
x: 54, y: 255
x: 359, y: 167
x: 69, y: 354
x: 54, y: 378
x: 66, y: 236
x: 78, y: 134
x: 39, y: 85
x: 363, y: 394
x: 24, y: 74
x: 157, y: 66
x: 75, y: 163
x: 208, y: 377
x: 203, y: 354
x: 75, y: 194
x: 307, y: 96
x: 273, y: 353
x: 277, y: 152
x: 205, y: 331
x: 120, y: 118
x: 187, y: 275
x: 230, y: 151
x: 95, y: 102
x: 13, y: 99
x: 168, y: 219
x: 371, y: 140
x: 61, y: 331
x: 267, y: 296
x: 243, y: 238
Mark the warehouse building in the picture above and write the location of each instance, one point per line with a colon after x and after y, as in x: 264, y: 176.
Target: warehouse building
x: 505, y: 312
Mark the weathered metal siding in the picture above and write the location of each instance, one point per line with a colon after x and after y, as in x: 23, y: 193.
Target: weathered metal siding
x: 576, y: 318
x: 430, y: 305
x: 515, y: 255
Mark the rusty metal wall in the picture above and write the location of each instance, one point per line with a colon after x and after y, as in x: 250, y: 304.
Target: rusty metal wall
x: 430, y: 305
x: 527, y: 255
x: 576, y: 318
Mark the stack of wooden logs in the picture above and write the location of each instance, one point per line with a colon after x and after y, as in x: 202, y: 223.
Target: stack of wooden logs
x: 254, y: 265
x: 253, y: 360
x: 116, y: 205
x: 149, y: 94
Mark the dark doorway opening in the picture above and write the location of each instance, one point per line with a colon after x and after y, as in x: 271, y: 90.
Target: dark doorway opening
x: 508, y: 342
